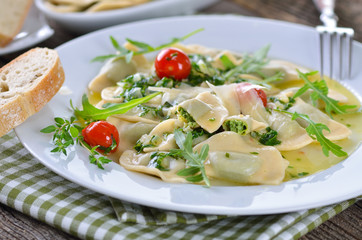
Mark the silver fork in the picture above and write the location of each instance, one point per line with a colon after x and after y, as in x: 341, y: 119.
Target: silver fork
x: 330, y: 33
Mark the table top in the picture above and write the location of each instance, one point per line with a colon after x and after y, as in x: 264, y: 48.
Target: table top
x: 346, y: 225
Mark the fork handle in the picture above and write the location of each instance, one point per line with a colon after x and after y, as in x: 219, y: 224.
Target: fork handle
x: 328, y: 17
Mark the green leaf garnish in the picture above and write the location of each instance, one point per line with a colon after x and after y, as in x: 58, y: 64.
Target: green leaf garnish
x: 250, y: 64
x: 315, y: 131
x: 143, y: 47
x: 90, y: 112
x: 320, y: 91
x: 194, y: 161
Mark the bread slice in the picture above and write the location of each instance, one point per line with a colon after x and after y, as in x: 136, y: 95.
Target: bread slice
x: 26, y: 84
x: 12, y: 17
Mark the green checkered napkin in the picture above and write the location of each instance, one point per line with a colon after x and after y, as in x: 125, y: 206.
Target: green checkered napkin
x: 31, y: 188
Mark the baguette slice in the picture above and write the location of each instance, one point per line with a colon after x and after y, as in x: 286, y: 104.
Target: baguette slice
x: 12, y: 17
x: 26, y: 84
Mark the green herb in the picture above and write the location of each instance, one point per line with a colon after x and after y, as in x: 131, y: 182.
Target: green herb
x: 228, y: 64
x: 315, y: 131
x: 302, y: 174
x: 269, y: 138
x: 98, y: 159
x: 187, y: 118
x: 255, y: 153
x: 140, y: 146
x: 144, y: 47
x: 90, y: 112
x: 66, y: 133
x: 157, y: 159
x: 199, y: 132
x: 202, y: 71
x: 320, y: 91
x: 236, y: 125
x: 227, y: 154
x: 250, y: 64
x: 195, y: 169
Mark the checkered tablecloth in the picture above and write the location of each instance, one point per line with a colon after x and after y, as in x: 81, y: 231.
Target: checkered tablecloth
x: 29, y: 187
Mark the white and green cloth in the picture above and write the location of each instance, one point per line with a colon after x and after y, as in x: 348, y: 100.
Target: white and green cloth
x: 29, y: 187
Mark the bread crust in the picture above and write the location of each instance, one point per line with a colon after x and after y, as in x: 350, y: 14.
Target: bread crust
x: 18, y: 108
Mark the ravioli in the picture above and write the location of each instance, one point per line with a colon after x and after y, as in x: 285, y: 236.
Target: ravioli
x: 212, y: 123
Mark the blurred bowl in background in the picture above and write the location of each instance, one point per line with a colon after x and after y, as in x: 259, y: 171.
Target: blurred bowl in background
x: 83, y: 22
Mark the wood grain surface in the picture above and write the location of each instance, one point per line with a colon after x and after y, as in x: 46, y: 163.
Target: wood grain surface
x: 346, y: 225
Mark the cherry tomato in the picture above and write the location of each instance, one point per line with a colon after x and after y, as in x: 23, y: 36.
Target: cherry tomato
x: 172, y: 63
x: 262, y: 96
x: 242, y: 87
x: 101, y: 133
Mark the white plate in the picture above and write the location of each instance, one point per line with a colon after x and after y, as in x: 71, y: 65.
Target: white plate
x: 34, y: 30
x: 86, y: 22
x: 291, y: 42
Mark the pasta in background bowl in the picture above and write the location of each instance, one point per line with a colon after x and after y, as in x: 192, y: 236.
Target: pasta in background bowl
x: 83, y: 22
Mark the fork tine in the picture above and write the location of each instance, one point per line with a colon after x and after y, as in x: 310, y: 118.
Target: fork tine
x: 331, y: 54
x: 349, y: 52
x: 339, y: 49
x: 321, y: 53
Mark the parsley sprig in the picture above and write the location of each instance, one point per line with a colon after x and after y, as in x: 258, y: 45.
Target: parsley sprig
x: 320, y: 91
x: 195, y: 169
x: 143, y: 47
x: 315, y: 131
x: 67, y: 133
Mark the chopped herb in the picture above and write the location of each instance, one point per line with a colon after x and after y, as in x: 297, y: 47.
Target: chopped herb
x: 198, y: 132
x: 227, y: 155
x: 269, y: 138
x: 255, y: 153
x: 235, y: 125
x: 301, y: 174
x: 140, y: 146
x: 187, y: 118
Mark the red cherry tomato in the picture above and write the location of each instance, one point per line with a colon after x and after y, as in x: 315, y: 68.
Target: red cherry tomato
x: 262, y: 96
x: 101, y: 133
x: 172, y: 63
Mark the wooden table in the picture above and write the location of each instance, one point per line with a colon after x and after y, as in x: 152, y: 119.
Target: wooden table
x: 346, y: 225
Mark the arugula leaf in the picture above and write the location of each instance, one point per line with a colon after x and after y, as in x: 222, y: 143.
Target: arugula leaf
x: 90, y: 112
x: 194, y: 161
x: 320, y: 91
x: 315, y: 131
x: 226, y: 62
x: 144, y: 47
x: 250, y: 64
